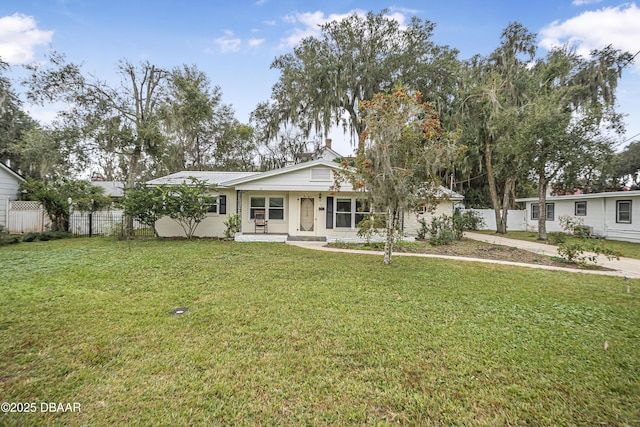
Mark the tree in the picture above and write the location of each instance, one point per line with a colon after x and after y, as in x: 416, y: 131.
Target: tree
x: 276, y: 145
x: 236, y: 148
x: 13, y: 122
x: 187, y: 203
x: 402, y: 149
x: 493, y: 89
x: 324, y: 79
x: 196, y: 120
x: 570, y: 97
x: 145, y: 204
x: 62, y: 153
x: 121, y: 120
x: 628, y: 164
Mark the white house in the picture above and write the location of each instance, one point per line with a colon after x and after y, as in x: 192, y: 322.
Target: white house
x: 9, y: 184
x: 296, y: 201
x: 614, y: 215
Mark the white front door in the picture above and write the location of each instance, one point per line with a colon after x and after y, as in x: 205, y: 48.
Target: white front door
x: 307, y: 214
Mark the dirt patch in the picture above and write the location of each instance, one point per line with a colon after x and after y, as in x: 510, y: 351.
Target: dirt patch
x: 472, y: 249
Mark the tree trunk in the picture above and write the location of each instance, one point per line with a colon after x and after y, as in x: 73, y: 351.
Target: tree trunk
x: 391, y: 228
x: 507, y: 199
x: 501, y: 226
x: 542, y: 207
x: 133, y: 167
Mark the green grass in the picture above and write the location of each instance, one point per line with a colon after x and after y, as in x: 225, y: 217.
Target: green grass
x: 629, y: 249
x: 277, y: 335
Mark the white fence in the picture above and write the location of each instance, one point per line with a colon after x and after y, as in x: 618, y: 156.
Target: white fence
x: 516, y: 219
x: 26, y: 217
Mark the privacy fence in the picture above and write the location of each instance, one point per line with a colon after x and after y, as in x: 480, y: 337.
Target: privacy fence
x: 24, y: 217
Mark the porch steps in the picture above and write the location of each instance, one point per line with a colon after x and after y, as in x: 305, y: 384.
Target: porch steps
x: 306, y: 239
x: 250, y: 237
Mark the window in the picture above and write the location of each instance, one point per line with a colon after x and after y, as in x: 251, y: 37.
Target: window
x: 343, y: 213
x: 276, y: 208
x: 581, y: 209
x: 257, y: 204
x: 273, y: 207
x: 362, y: 208
x: 623, y: 211
x: 348, y: 212
x: 320, y: 174
x: 550, y: 209
x: 219, y: 205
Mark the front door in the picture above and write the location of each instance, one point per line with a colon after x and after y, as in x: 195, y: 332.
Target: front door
x: 307, y: 214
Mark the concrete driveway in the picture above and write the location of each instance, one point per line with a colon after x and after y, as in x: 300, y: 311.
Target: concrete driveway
x: 625, y: 267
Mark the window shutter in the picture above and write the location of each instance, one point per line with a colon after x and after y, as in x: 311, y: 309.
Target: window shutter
x: 223, y: 204
x: 329, y: 212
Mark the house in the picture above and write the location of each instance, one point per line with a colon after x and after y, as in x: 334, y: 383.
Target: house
x: 614, y: 215
x: 113, y: 189
x: 9, y: 184
x: 295, y: 202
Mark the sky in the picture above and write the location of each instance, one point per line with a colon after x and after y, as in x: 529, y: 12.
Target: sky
x: 235, y: 42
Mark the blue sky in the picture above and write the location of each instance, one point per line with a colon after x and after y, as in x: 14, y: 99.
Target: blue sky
x: 235, y: 42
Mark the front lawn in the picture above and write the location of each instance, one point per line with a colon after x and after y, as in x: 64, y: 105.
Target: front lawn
x: 278, y: 335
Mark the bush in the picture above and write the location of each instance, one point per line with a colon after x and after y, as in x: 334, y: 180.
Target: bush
x: 444, y: 229
x: 372, y: 224
x: 45, y: 236
x: 441, y: 230
x: 8, y: 240
x: 233, y: 224
x: 586, y: 250
x: 470, y: 220
x: 557, y: 237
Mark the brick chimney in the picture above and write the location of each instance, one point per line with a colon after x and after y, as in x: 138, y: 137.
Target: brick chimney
x: 327, y: 142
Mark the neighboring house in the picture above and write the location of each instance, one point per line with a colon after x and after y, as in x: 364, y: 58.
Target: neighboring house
x: 113, y: 189
x: 614, y: 215
x: 9, y: 184
x: 297, y: 202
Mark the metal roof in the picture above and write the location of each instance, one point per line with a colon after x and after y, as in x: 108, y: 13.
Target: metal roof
x: 210, y: 177
x: 585, y: 196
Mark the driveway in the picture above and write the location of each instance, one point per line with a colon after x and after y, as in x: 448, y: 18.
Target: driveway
x: 625, y: 267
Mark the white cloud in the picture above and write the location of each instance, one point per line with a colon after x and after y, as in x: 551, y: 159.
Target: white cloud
x: 19, y: 35
x: 618, y: 26
x: 228, y: 43
x: 583, y: 2
x: 308, y: 24
x: 255, y: 42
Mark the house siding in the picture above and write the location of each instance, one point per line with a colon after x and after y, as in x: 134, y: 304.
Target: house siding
x: 294, y: 181
x: 601, y: 215
x: 211, y: 226
x: 9, y: 186
x: 411, y: 219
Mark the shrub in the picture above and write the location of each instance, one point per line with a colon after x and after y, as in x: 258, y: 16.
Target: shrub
x: 586, y: 250
x: 470, y: 220
x: 557, y: 237
x: 372, y: 224
x: 233, y: 224
x: 444, y: 229
x: 441, y: 230
x: 4, y: 240
x: 45, y: 236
